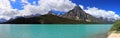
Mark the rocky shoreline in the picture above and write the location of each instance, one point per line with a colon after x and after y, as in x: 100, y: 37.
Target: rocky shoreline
x: 113, y: 34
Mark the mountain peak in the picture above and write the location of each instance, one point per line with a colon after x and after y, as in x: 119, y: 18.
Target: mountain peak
x: 77, y: 8
x: 78, y: 14
x: 51, y: 13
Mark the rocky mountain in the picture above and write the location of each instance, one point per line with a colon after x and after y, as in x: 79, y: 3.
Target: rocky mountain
x: 44, y: 19
x: 2, y: 20
x: 74, y: 16
x: 78, y: 14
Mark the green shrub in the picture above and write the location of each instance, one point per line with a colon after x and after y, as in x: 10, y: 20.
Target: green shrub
x: 116, y: 26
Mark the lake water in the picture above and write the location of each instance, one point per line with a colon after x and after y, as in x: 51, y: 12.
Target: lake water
x: 54, y: 30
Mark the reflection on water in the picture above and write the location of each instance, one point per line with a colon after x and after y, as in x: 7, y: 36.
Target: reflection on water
x: 54, y: 30
x: 4, y: 31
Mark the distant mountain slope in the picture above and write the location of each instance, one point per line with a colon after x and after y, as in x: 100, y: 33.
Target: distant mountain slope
x: 2, y: 20
x: 44, y: 19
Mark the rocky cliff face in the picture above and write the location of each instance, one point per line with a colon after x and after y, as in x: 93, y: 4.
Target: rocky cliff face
x: 78, y: 14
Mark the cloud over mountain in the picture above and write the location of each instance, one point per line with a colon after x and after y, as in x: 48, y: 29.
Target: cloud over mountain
x: 102, y: 13
x: 44, y: 6
x: 6, y: 11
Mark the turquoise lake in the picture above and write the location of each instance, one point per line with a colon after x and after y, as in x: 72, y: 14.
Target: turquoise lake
x: 54, y: 30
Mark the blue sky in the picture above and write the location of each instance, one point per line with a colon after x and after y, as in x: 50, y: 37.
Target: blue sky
x: 19, y: 5
x: 113, y: 5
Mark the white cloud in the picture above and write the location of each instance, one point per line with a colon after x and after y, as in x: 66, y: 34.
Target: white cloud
x: 102, y: 13
x: 46, y: 5
x: 13, y: 0
x: 5, y: 4
x: 60, y: 5
x: 29, y: 10
x: 6, y: 11
x: 81, y: 6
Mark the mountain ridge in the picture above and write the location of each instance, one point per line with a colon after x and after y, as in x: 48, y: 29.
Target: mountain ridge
x: 74, y: 16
